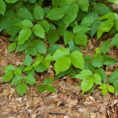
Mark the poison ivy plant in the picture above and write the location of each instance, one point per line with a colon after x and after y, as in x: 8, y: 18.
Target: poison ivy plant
x: 46, y: 86
x: 54, y: 33
x: 17, y: 79
x: 88, y: 79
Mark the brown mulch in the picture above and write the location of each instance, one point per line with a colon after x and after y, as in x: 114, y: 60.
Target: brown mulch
x: 67, y: 102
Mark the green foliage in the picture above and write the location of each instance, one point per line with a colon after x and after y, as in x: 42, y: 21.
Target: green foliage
x: 106, y: 88
x: 88, y: 79
x: 54, y: 34
x: 46, y: 86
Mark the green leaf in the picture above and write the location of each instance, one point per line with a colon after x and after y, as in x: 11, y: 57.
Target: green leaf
x: 11, y: 47
x: 40, y: 68
x: 101, y: 9
x: 104, y: 91
x: 104, y: 88
x: 97, y: 79
x: 111, y: 89
x: 28, y: 68
x: 71, y: 15
x: 62, y: 64
x: 102, y: 73
x: 56, y: 14
x: 18, y: 70
x: 48, y: 81
x: 77, y: 59
x: 38, y: 12
x: 24, y: 13
x: 38, y: 60
x: 68, y: 36
x: 60, y: 53
x: 39, y: 31
x: 114, y: 76
x: 89, y: 19
x: 25, y: 24
x: 16, y: 80
x: 87, y: 84
x: 52, y: 37
x: 24, y: 35
x: 28, y: 60
x: 94, y: 28
x: 21, y: 88
x: 42, y: 88
x: 115, y: 40
x: 113, y: 1
x: 41, y: 47
x: 105, y: 47
x: 9, y: 68
x: 116, y: 24
x: 11, y: 1
x: 115, y: 84
x: 7, y: 76
x: 84, y: 5
x: 80, y: 29
x: 98, y: 61
x: 53, y: 48
x: 51, y: 89
x: 45, y: 24
x: 81, y: 39
x: 105, y: 26
x: 2, y: 7
x: 108, y: 61
x: 84, y: 74
x: 29, y: 79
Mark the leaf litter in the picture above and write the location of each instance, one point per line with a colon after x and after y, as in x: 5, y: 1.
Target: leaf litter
x: 67, y: 102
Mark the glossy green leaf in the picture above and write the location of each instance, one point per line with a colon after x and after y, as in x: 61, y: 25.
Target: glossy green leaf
x: 48, y: 81
x: 38, y: 12
x: 9, y: 68
x: 111, y: 89
x: 84, y: 5
x: 11, y: 47
x: 39, y: 31
x: 77, y: 59
x: 52, y: 37
x: 25, y: 24
x: 11, y: 1
x: 29, y: 79
x: 2, y: 7
x: 97, y: 79
x: 68, y: 36
x: 60, y: 53
x: 56, y: 14
x: 28, y: 60
x: 84, y: 74
x: 113, y: 1
x: 105, y: 26
x: 51, y: 89
x: 114, y: 76
x: 105, y: 47
x: 87, y: 84
x: 71, y: 15
x: 89, y: 19
x: 7, y: 76
x: 42, y: 88
x: 62, y: 64
x: 24, y: 35
x: 81, y: 39
x: 21, y: 88
x: 16, y: 80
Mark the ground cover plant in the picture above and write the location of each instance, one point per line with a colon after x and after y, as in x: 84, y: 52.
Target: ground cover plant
x: 52, y: 32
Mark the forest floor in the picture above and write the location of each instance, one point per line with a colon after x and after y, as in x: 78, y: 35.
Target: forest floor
x: 67, y: 102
